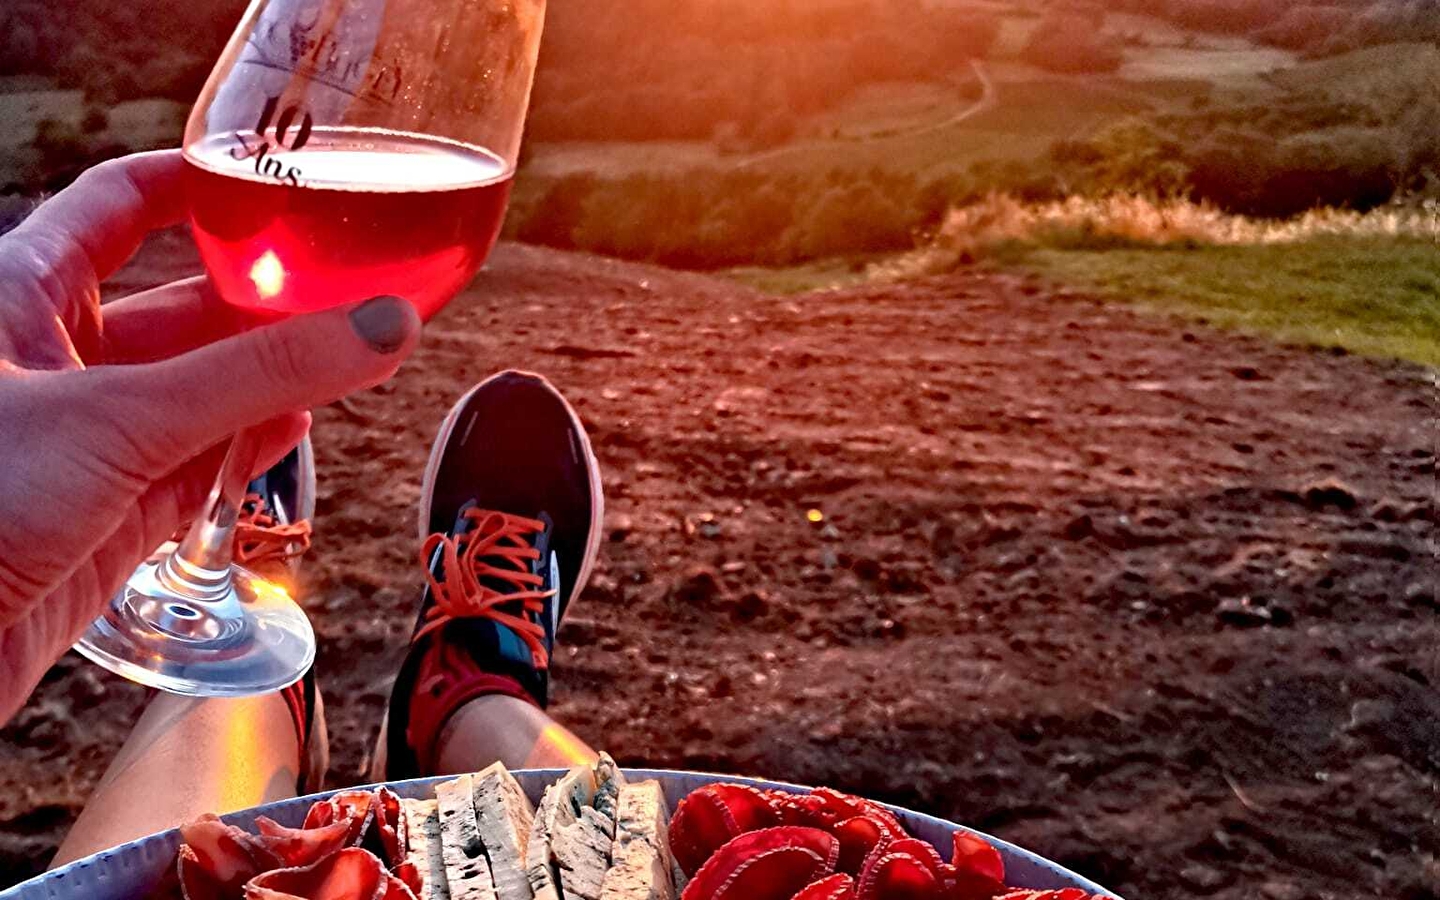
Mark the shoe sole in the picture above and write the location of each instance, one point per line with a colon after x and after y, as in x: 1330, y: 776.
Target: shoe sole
x: 377, y: 765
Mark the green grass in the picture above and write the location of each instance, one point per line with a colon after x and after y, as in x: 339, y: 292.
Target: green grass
x: 1372, y: 296
x: 1378, y: 297
x: 834, y: 273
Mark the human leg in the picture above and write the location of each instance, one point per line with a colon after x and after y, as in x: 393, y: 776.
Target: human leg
x: 188, y: 756
x: 510, y: 516
x: 517, y: 733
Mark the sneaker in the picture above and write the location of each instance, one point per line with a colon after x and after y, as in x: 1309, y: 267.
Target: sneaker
x: 510, y: 514
x: 273, y: 531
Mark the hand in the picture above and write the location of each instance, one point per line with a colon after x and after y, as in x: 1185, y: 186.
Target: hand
x: 114, y: 419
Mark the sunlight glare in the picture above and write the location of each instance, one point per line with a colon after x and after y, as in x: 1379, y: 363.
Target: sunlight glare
x: 268, y: 275
x: 270, y: 592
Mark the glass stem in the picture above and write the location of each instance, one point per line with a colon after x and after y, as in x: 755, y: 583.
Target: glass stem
x: 199, y: 568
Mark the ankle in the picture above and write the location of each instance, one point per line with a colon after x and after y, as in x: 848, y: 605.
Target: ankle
x: 447, y: 726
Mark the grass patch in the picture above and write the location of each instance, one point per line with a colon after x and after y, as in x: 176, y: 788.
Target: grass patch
x: 1376, y: 296
x: 831, y: 273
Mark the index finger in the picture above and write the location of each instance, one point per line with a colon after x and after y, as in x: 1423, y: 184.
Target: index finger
x: 97, y: 223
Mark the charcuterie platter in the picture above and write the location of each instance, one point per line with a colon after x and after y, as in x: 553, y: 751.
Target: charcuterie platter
x: 591, y: 833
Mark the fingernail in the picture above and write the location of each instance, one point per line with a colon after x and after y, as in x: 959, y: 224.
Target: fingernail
x: 383, y: 322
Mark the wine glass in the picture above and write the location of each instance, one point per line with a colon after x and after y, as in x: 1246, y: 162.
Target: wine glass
x: 341, y: 149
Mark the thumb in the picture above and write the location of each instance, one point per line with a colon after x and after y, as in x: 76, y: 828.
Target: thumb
x: 189, y: 402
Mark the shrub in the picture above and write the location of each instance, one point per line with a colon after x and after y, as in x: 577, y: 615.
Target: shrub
x: 999, y: 222
x: 1135, y: 156
x: 1382, y: 23
x: 1072, y: 44
x: 859, y: 218
x: 772, y: 130
x: 1224, y: 16
x: 1306, y: 28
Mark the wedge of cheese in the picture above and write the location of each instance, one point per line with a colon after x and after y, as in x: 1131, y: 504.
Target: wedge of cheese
x: 559, y: 808
x: 574, y: 829
x: 608, y: 782
x: 423, y: 847
x: 504, y: 816
x: 641, y: 866
x: 467, y: 870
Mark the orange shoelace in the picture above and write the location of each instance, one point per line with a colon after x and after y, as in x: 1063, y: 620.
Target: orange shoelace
x: 259, y: 537
x: 497, y: 548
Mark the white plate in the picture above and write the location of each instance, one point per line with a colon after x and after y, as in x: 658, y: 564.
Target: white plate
x: 131, y: 871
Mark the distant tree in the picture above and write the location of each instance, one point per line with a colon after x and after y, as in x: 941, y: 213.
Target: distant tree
x: 1307, y: 28
x: 31, y: 36
x: 1072, y: 44
x: 1224, y: 16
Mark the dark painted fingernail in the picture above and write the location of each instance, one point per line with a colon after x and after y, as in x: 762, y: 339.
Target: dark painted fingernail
x: 383, y: 322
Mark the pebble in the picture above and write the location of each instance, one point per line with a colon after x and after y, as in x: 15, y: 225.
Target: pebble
x: 1204, y: 879
x: 752, y: 606
x: 1243, y: 612
x: 620, y: 527
x: 1370, y: 715
x: 1329, y: 492
x: 699, y: 587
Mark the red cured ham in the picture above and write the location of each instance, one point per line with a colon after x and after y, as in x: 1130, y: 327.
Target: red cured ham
x: 839, y: 886
x: 302, y: 846
x: 356, y: 808
x: 389, y: 826
x: 711, y: 816
x: 343, y: 851
x: 721, y: 833
x: 858, y: 837
x: 769, y: 864
x: 217, y: 859
x: 350, y: 874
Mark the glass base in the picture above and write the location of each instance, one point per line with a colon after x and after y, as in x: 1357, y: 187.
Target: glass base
x: 229, y: 635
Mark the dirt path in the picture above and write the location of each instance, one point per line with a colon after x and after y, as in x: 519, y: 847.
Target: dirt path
x: 1157, y: 602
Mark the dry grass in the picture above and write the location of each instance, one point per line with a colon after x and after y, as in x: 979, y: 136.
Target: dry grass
x: 1121, y: 221
x: 1364, y: 281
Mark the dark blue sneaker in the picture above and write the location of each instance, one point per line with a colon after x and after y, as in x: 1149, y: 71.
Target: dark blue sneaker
x: 273, y: 531
x: 510, y: 517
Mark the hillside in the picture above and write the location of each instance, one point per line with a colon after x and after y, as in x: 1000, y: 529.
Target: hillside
x: 1151, y: 599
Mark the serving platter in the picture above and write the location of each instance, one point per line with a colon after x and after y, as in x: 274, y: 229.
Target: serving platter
x: 131, y: 871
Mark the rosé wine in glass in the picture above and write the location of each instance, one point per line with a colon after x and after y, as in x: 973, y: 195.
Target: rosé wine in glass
x: 353, y: 214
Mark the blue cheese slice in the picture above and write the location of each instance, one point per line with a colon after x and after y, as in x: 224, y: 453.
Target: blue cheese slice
x: 574, y: 829
x: 559, y: 808
x: 641, y: 865
x: 423, y: 847
x: 504, y: 816
x: 467, y: 870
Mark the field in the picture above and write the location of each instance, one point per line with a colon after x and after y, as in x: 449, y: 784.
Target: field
x: 902, y: 127
x: 1098, y: 351
x: 1379, y: 297
x: 1150, y: 598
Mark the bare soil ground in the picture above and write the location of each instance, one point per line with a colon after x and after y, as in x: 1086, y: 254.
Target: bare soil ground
x: 1154, y: 600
